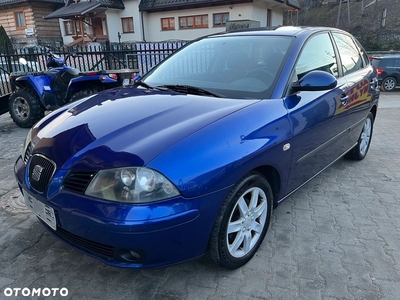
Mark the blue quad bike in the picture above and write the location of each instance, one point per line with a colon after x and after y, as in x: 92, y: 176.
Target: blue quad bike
x: 35, y: 92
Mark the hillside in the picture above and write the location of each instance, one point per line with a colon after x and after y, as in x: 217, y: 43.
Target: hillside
x: 367, y: 26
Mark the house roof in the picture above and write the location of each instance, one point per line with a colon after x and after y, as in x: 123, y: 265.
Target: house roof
x: 5, y: 2
x: 77, y: 9
x: 163, y: 5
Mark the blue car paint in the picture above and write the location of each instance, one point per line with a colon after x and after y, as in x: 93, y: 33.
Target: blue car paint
x: 128, y: 117
x: 244, y: 134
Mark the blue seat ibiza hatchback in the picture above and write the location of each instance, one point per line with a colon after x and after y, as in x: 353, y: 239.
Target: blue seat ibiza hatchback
x: 192, y: 158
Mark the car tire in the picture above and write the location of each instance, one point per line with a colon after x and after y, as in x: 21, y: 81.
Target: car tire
x: 242, y: 222
x: 24, y: 107
x: 364, y: 141
x: 85, y: 93
x: 389, y: 84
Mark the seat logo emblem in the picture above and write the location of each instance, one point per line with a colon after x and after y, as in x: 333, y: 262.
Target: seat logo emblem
x: 37, y: 172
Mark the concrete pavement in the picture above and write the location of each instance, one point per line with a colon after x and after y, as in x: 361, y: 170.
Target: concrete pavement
x: 336, y: 238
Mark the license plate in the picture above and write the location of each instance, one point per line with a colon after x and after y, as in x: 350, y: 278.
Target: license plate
x: 125, y: 82
x: 43, y: 211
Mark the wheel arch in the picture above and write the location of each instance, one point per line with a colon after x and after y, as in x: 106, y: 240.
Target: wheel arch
x: 374, y: 111
x: 273, y: 178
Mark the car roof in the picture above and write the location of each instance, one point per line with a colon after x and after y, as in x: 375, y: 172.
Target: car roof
x: 385, y: 56
x: 279, y: 30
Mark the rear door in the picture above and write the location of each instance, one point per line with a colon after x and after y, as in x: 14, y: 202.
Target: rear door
x: 361, y: 85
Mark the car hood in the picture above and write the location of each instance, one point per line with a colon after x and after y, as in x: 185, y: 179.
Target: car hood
x: 127, y: 127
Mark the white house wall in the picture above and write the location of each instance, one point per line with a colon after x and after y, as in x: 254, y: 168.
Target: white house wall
x: 115, y: 25
x: 260, y: 13
x: 152, y: 32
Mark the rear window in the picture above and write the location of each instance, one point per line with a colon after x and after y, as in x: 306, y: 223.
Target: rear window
x: 386, y: 63
x: 377, y: 63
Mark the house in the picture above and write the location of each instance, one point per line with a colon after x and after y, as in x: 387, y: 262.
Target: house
x: 32, y: 22
x: 189, y: 19
x: 24, y: 24
x: 161, y: 20
x: 89, y: 21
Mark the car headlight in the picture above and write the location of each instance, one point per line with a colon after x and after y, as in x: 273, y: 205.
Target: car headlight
x: 131, y: 185
x: 28, y: 140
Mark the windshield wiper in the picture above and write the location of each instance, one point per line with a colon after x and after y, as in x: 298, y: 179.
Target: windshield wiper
x: 149, y: 87
x: 187, y: 89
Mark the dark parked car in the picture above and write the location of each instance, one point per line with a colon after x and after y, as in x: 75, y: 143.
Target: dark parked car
x: 194, y: 157
x: 388, y: 68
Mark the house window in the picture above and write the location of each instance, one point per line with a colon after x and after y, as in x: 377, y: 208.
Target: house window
x: 78, y: 27
x: 168, y: 23
x: 200, y: 21
x: 69, y: 28
x: 87, y: 26
x: 19, y: 19
x: 220, y: 19
x: 127, y: 25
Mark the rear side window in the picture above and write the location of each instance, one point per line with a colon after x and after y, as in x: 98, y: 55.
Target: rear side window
x: 363, y: 53
x: 393, y: 63
x: 349, y: 54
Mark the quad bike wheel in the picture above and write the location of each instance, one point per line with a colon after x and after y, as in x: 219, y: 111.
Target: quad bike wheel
x: 24, y: 107
x: 86, y: 92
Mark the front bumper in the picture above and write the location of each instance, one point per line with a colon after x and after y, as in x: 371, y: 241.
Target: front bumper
x: 134, y: 236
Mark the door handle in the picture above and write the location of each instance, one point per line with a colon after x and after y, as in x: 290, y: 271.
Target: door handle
x: 344, y: 99
x: 374, y: 84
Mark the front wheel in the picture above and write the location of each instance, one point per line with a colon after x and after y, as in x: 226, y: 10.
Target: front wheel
x: 25, y: 109
x: 242, y: 222
x: 362, y: 147
x: 389, y: 84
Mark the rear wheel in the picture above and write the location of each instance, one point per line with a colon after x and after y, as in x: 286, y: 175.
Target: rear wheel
x: 362, y: 147
x: 25, y: 109
x: 242, y: 222
x: 86, y: 92
x: 389, y: 84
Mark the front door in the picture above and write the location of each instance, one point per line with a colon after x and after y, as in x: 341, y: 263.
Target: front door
x: 318, y: 130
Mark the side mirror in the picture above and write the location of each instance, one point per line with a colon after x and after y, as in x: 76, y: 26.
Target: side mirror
x: 315, y: 81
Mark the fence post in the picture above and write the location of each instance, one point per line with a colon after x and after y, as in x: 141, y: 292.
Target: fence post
x: 108, y: 57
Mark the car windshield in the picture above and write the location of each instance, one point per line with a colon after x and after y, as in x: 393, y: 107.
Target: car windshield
x: 241, y: 67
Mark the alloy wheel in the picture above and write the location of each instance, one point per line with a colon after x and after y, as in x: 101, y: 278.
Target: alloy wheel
x: 247, y: 222
x: 365, y: 136
x: 21, y: 108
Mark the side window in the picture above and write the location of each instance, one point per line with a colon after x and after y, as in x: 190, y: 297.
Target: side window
x: 317, y: 54
x: 349, y: 55
x: 363, y: 53
x: 393, y: 63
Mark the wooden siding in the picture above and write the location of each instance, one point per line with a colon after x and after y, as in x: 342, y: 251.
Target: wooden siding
x: 34, y: 12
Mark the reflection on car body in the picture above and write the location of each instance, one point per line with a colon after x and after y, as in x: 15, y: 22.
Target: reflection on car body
x: 194, y: 157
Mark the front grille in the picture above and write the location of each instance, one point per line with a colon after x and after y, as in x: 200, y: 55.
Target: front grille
x: 91, y: 246
x: 78, y: 180
x: 41, y: 170
x: 28, y: 153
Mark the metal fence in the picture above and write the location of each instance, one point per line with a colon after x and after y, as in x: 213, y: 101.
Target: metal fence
x: 91, y: 57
